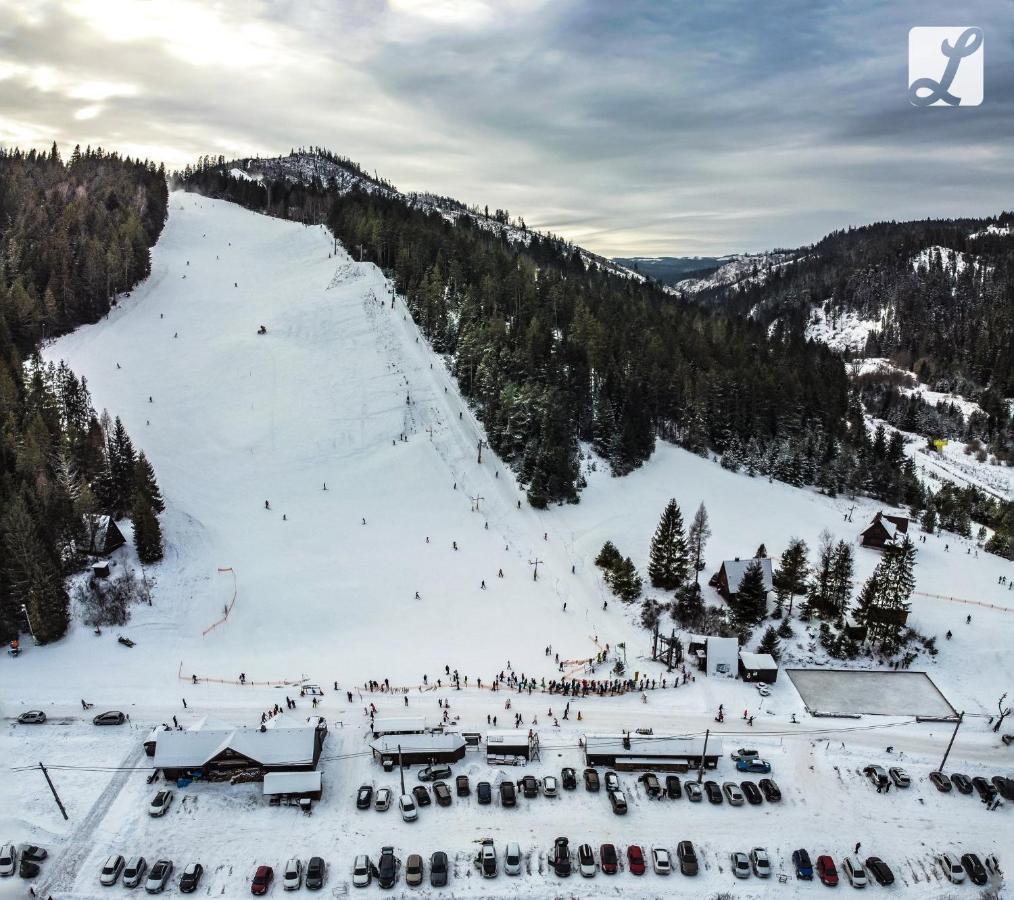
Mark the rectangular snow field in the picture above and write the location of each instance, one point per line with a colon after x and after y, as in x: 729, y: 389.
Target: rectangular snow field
x: 886, y: 693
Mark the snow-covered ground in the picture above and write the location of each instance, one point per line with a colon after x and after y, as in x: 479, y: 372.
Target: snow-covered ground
x: 843, y: 330
x: 342, y: 390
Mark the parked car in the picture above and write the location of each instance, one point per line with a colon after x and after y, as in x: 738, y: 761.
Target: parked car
x: 508, y: 794
x: 635, y: 860
x: 414, y: 870
x: 485, y: 859
x: 443, y: 794
x: 608, y: 860
x: 974, y: 869
x: 190, y: 880
x: 713, y: 791
x: 754, y: 766
x: 694, y: 792
x: 568, y: 778
x: 438, y: 869
x: 612, y: 781
x: 744, y: 754
x: 159, y: 876
x: 953, y: 870
x: 8, y: 859
x: 512, y: 859
x: 586, y: 861
x: 113, y: 717
x: 421, y: 795
x: 854, y: 871
x: 591, y: 780
x: 32, y: 717
x: 433, y: 773
x: 673, y: 789
x: 899, y: 776
x: 530, y: 786
x: 33, y: 853
x: 941, y: 782
x: 761, y: 862
x: 387, y: 868
x: 409, y: 812
x: 740, y: 864
x: 687, y: 857
x: 826, y: 871
x: 880, y: 870
x: 364, y: 798
x: 771, y: 791
x: 618, y: 801
x: 160, y: 804
x: 382, y: 802
x: 1005, y: 786
x: 651, y: 784
x: 877, y: 775
x: 461, y: 786
x: 661, y: 861
x: 316, y: 871
x: 752, y: 793
x: 550, y: 786
x: 262, y: 880
x: 732, y: 793
x: 962, y: 782
x: 362, y: 871
x: 992, y: 865
x: 484, y: 793
x: 763, y: 689
x: 984, y: 789
x: 559, y: 857
x: 292, y: 875
x: 111, y: 870
x: 802, y: 864
x: 133, y: 871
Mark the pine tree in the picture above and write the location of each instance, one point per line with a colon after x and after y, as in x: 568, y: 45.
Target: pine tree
x: 145, y: 483
x: 770, y: 644
x: 697, y: 538
x: 668, y: 560
x: 147, y: 531
x: 885, y: 597
x: 840, y: 578
x: 609, y: 557
x: 790, y: 576
x: 749, y: 604
x: 625, y: 581
x: 929, y: 519
x: 819, y: 588
x: 122, y: 461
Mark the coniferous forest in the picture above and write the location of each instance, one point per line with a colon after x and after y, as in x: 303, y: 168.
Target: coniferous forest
x: 73, y: 235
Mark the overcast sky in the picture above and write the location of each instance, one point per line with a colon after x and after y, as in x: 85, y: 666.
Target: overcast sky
x: 630, y: 127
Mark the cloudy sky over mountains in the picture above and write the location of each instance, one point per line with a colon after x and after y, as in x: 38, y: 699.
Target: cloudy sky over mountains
x: 631, y: 128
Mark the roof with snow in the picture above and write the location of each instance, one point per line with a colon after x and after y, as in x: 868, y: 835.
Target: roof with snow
x: 736, y: 568
x: 271, y: 747
x: 893, y: 526
x: 291, y: 783
x: 759, y: 661
x: 650, y: 746
x: 419, y: 743
x: 398, y: 725
x: 507, y: 738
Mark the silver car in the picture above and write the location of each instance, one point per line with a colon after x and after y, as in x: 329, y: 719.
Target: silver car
x: 740, y: 864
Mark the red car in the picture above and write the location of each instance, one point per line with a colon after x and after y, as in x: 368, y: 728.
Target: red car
x: 635, y: 860
x: 826, y: 871
x: 607, y: 859
x: 262, y: 880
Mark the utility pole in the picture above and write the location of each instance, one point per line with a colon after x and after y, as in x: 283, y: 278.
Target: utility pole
x: 480, y: 445
x: 56, y: 796
x: 429, y: 430
x: 700, y: 772
x: 950, y: 743
x: 535, y: 572
x: 475, y: 503
x: 28, y: 619
x: 401, y: 769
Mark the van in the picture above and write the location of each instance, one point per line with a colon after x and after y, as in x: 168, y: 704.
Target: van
x: 133, y: 872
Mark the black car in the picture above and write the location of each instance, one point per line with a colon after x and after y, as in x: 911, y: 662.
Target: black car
x: 974, y: 868
x: 559, y: 857
x: 387, y: 867
x: 713, y: 791
x: 315, y: 872
x: 462, y: 786
x: 962, y: 782
x: 442, y: 792
x: 529, y: 786
x: 508, y: 794
x: 941, y: 782
x: 770, y: 790
x: 1004, y: 785
x: 880, y: 870
x: 28, y: 869
x: 34, y: 854
x: 985, y: 790
x: 484, y: 793
x: 651, y: 786
x: 591, y: 780
x: 673, y: 788
x: 803, y: 865
x: 191, y: 878
x: 568, y: 778
x: 688, y: 857
x: 113, y: 717
x: 422, y: 796
x: 752, y: 793
x: 438, y: 869
x: 364, y: 799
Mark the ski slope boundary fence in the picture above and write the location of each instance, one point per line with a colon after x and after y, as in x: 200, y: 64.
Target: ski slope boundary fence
x: 229, y: 605
x: 981, y: 603
x: 202, y: 679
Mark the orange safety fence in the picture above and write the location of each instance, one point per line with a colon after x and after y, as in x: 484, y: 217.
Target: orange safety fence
x: 202, y: 679
x: 968, y: 602
x: 229, y: 605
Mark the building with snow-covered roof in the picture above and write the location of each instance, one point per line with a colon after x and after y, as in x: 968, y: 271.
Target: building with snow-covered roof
x: 653, y: 751
x: 732, y: 571
x: 884, y: 531
x: 758, y: 667
x: 104, y: 536
x: 510, y: 746
x: 715, y: 656
x: 418, y: 749
x: 293, y: 785
x: 397, y: 725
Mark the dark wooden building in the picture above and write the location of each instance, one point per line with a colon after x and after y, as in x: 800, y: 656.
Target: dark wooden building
x: 732, y: 571
x: 103, y: 535
x: 884, y: 531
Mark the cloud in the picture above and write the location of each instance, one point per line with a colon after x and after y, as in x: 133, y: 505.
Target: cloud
x: 635, y: 128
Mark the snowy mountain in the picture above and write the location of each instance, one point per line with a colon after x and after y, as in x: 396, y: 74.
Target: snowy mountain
x: 740, y: 272
x: 671, y: 269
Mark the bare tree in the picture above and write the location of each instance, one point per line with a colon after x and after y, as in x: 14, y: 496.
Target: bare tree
x: 1004, y: 712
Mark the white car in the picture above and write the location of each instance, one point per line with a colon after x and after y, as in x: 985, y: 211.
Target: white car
x: 111, y: 869
x: 550, y: 786
x: 8, y: 859
x: 855, y: 872
x: 133, y: 871
x: 952, y: 867
x: 362, y: 873
x: 292, y: 876
x: 382, y: 802
x: 612, y: 781
x: 761, y: 862
x: 740, y: 864
x: 661, y: 861
x: 763, y: 689
x: 160, y: 804
x: 992, y: 865
x: 586, y: 861
x: 407, y: 806
x: 512, y: 859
